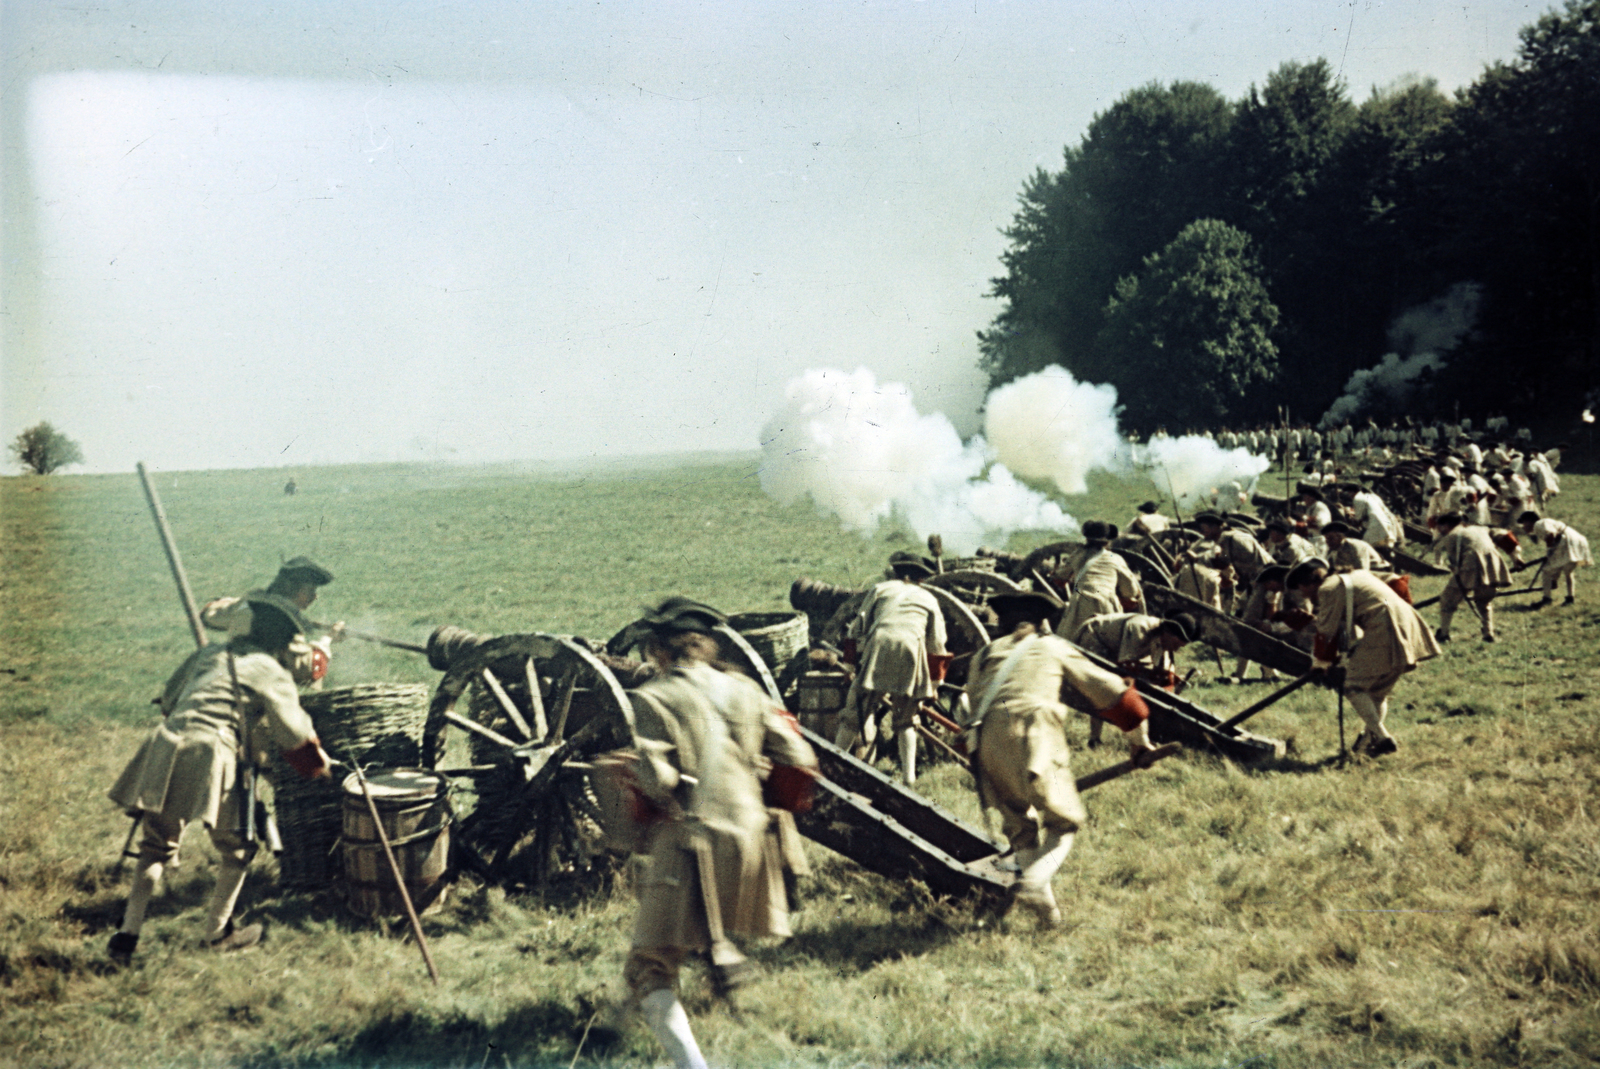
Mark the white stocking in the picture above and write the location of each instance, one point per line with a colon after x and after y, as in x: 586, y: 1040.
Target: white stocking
x: 670, y: 1025
x: 230, y: 879
x: 145, y: 879
x: 1371, y: 713
x: 908, y: 753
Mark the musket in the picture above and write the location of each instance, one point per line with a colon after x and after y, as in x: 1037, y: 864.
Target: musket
x: 367, y: 636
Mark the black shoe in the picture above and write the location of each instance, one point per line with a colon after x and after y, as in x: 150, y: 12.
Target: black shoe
x: 123, y: 944
x: 1569, y: 601
x: 1380, y: 747
x: 1542, y: 602
x: 726, y: 979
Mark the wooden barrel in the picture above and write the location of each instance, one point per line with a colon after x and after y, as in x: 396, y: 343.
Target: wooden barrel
x: 776, y: 636
x: 376, y: 724
x: 415, y: 811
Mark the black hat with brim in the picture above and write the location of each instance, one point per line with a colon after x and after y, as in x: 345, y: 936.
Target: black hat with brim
x: 1304, y: 573
x: 1338, y: 527
x: 1212, y: 518
x: 305, y: 570
x: 1273, y: 573
x: 259, y: 599
x: 1026, y: 604
x: 907, y: 565
x: 1181, y: 624
x: 678, y: 614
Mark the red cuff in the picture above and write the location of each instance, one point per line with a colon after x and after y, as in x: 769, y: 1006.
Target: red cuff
x: 789, y: 787
x: 1324, y: 649
x: 939, y: 664
x: 852, y: 653
x: 306, y: 759
x: 643, y: 811
x: 1128, y: 711
x: 1401, y: 585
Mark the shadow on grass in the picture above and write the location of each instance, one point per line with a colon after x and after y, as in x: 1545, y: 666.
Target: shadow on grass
x: 540, y: 1034
x: 849, y: 946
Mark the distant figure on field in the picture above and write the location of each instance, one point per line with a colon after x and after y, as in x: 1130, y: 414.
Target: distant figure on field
x: 1016, y: 691
x: 1150, y: 522
x: 897, y: 631
x: 226, y: 708
x: 289, y: 488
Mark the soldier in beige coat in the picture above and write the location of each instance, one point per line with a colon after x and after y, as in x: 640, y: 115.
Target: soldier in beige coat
x: 1018, y: 690
x: 298, y: 580
x: 897, y: 627
x: 1567, y: 552
x: 1476, y: 571
x: 709, y: 743
x: 1139, y: 644
x: 1380, y: 637
x: 226, y: 708
x: 1347, y: 553
x: 1103, y: 583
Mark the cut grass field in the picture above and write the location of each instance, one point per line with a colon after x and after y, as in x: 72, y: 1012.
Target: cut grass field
x: 1436, y: 907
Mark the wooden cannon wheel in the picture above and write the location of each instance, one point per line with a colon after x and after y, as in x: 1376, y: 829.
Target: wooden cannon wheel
x: 1055, y: 557
x: 535, y: 703
x: 974, y: 587
x: 733, y: 648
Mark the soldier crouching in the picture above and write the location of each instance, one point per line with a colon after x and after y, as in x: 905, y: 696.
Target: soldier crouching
x: 223, y: 707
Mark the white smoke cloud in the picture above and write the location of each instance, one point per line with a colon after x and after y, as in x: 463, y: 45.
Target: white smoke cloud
x: 1048, y: 425
x: 1201, y: 472
x: 1417, y: 337
x: 862, y: 452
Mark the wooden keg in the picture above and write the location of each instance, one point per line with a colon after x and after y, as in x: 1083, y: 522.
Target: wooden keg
x: 414, y: 808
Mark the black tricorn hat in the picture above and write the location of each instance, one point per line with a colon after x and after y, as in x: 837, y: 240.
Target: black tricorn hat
x: 1210, y: 517
x: 1303, y: 572
x: 1181, y: 624
x: 1099, y: 531
x: 907, y: 565
x: 1150, y: 506
x: 1338, y: 527
x: 305, y: 570
x: 1026, y: 604
x: 678, y: 614
x: 261, y: 599
x: 1281, y: 526
x: 1273, y: 573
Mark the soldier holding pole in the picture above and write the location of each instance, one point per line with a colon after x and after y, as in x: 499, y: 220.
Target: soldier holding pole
x: 223, y: 708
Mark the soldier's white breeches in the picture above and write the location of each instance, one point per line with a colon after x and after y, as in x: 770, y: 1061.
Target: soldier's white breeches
x: 1569, y: 572
x: 1454, y: 596
x: 670, y: 1025
x: 158, y: 842
x: 1372, y: 711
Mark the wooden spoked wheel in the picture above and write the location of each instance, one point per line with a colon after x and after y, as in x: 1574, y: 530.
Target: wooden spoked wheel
x: 536, y: 706
x: 732, y: 648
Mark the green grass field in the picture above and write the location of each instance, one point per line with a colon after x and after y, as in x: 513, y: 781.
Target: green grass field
x: 1439, y: 907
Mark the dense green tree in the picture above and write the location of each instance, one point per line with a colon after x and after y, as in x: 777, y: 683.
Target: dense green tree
x: 42, y: 449
x: 1146, y: 167
x: 1522, y: 174
x: 1190, y: 334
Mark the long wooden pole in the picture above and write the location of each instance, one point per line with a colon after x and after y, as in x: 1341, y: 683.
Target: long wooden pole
x: 173, y: 560
x: 394, y: 869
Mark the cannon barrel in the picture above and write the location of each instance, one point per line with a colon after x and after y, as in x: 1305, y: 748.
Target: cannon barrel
x: 810, y: 596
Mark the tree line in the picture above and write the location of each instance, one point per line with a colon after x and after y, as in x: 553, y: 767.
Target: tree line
x: 1217, y: 259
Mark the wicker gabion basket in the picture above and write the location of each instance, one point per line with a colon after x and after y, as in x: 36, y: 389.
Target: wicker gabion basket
x: 776, y: 636
x: 380, y: 725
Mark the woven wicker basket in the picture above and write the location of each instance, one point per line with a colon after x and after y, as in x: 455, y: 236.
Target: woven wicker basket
x: 776, y: 636
x: 379, y: 724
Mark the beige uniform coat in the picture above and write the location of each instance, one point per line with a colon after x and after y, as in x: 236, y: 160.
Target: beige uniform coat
x: 1475, y: 565
x: 1389, y: 638
x: 1125, y: 637
x: 1022, y: 762
x: 1354, y: 555
x: 898, y: 625
x: 1292, y: 550
x: 1570, y: 548
x: 1239, y: 550
x: 1100, y: 586
x: 726, y: 733
x: 186, y: 770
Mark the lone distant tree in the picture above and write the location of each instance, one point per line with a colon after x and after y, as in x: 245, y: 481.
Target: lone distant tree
x: 42, y: 449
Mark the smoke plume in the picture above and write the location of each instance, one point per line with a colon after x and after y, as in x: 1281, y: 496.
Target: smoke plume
x: 862, y: 452
x: 1417, y: 337
x: 1048, y: 425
